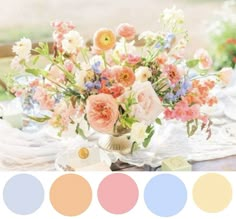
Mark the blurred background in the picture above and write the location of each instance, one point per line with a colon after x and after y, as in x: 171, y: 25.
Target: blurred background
x: 31, y: 18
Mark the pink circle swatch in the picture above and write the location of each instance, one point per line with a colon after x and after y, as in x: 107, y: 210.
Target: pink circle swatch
x: 118, y: 193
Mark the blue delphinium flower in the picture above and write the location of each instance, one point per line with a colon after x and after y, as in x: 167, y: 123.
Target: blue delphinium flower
x: 169, y: 40
x: 96, y: 67
x: 184, y: 88
x: 170, y: 97
x: 89, y: 85
x: 97, y: 85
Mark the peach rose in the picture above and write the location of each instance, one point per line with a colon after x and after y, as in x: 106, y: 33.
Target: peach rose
x: 205, y: 61
x: 225, y: 75
x: 126, y: 30
x: 148, y: 106
x: 102, y: 112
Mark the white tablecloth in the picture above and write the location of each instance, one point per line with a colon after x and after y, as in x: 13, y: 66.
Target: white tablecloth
x: 38, y: 151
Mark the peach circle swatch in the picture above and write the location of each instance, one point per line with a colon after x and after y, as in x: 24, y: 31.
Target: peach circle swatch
x: 212, y: 193
x: 70, y: 195
x: 118, y: 193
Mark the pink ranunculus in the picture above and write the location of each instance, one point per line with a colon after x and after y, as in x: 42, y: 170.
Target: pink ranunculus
x: 55, y: 74
x: 174, y: 74
x: 133, y: 59
x: 148, y: 106
x: 205, y: 61
x: 124, y: 75
x: 126, y: 30
x: 102, y: 112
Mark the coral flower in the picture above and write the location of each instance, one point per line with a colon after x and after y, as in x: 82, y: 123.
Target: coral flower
x: 104, y: 39
x: 126, y: 30
x: 125, y: 76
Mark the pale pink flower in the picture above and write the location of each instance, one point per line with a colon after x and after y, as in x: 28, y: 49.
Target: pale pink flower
x: 61, y: 28
x: 34, y: 83
x: 16, y: 64
x: 45, y: 101
x: 225, y: 75
x: 102, y: 112
x: 62, y: 115
x: 55, y: 74
x: 126, y: 30
x: 205, y: 61
x: 19, y: 92
x: 69, y: 65
x: 133, y: 59
x: 148, y: 106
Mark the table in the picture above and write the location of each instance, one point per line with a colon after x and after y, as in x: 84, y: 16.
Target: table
x: 221, y: 164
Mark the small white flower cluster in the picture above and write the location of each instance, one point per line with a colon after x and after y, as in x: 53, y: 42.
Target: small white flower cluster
x: 72, y: 42
x: 22, y: 49
x: 173, y: 16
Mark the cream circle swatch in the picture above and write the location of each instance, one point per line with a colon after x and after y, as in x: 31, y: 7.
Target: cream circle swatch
x: 212, y: 193
x: 70, y: 195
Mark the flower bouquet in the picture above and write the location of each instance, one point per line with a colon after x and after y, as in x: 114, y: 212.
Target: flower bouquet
x: 122, y: 84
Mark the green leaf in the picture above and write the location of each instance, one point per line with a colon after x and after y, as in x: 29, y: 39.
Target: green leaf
x: 37, y: 72
x: 134, y: 147
x: 39, y: 119
x: 80, y: 131
x: 148, y: 139
x: 158, y: 121
x: 192, y: 63
x: 35, y: 60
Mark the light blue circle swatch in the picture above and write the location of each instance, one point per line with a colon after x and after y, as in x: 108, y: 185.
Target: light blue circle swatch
x: 23, y: 194
x: 165, y: 195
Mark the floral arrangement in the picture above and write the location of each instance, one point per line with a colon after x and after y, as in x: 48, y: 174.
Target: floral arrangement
x: 222, y: 33
x: 115, y: 86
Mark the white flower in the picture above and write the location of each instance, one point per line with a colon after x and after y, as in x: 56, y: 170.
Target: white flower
x: 16, y: 65
x: 143, y: 73
x: 97, y: 63
x: 147, y: 36
x: 124, y: 47
x: 22, y: 48
x: 72, y: 42
x: 138, y: 132
x: 173, y: 15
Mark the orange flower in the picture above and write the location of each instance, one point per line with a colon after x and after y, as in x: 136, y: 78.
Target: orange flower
x: 124, y: 75
x: 104, y: 39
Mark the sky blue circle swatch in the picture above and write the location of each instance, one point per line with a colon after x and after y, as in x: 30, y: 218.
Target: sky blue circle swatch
x: 23, y: 194
x: 165, y: 195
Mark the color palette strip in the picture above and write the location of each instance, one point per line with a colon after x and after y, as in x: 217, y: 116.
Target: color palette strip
x: 148, y: 194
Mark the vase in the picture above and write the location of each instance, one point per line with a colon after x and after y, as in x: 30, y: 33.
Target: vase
x: 119, y: 141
